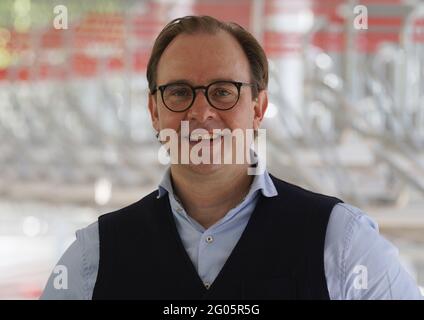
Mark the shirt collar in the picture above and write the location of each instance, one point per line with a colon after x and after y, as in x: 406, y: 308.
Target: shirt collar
x: 262, y: 182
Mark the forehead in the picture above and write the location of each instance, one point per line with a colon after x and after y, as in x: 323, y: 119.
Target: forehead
x: 201, y: 58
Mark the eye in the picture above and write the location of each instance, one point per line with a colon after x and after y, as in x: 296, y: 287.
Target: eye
x: 180, y: 92
x: 221, y: 92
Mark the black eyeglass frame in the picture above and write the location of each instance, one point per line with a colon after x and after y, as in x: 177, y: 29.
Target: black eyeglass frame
x: 238, y: 85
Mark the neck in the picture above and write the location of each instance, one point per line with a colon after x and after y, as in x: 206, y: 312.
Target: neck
x: 208, y: 197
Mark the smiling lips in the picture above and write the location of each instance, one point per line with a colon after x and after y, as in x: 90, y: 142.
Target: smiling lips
x: 205, y: 136
x: 196, y: 136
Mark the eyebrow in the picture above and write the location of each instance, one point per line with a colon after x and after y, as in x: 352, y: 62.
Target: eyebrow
x: 191, y: 83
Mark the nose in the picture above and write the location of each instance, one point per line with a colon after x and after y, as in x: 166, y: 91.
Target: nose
x: 201, y: 110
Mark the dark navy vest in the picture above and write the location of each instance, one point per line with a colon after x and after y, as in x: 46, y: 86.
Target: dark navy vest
x: 280, y: 254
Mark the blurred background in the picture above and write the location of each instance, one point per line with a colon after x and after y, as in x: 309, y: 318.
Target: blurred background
x: 346, y: 114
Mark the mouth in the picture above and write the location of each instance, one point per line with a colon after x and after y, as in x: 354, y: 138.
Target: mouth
x: 211, y: 137
x: 206, y: 136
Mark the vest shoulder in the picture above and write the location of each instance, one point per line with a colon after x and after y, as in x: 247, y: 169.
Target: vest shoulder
x: 299, y: 194
x: 129, y: 211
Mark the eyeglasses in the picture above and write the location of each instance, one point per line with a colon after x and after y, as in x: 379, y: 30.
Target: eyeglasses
x: 222, y: 95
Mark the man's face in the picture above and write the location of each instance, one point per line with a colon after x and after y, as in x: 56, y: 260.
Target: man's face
x: 200, y: 59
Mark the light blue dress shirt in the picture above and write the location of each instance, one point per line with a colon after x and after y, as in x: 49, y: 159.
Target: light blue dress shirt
x: 359, y: 263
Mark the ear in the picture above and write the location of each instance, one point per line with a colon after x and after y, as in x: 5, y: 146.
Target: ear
x: 260, y: 106
x: 153, y: 108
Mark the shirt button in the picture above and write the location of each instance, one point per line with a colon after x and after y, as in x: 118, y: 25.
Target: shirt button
x: 207, y: 285
x: 209, y: 239
x: 179, y: 210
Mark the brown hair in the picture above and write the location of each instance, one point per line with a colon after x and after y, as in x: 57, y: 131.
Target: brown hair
x: 192, y: 24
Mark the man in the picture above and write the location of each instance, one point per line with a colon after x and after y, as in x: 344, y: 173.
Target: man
x: 211, y: 231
